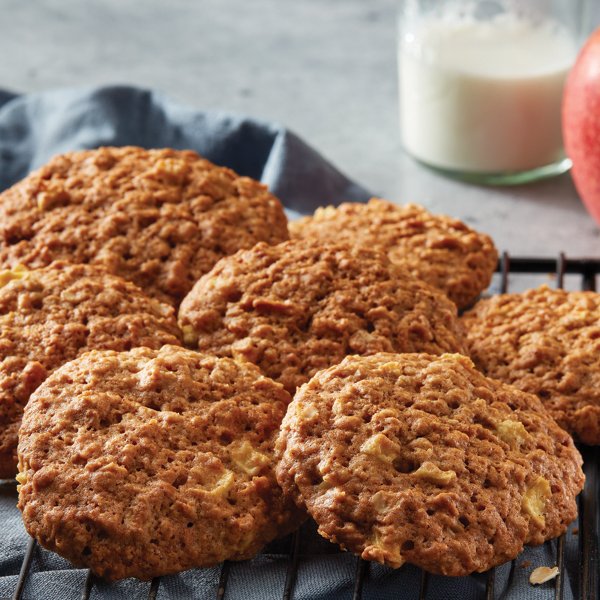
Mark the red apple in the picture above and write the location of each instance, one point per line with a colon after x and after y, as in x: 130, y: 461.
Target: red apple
x: 581, y: 123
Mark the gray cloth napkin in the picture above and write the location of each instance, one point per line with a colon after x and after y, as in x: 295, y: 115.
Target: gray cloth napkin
x: 37, y: 126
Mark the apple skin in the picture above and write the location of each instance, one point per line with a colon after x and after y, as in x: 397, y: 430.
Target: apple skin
x: 581, y: 123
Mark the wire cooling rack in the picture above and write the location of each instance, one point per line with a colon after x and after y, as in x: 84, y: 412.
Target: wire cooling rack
x: 585, y: 585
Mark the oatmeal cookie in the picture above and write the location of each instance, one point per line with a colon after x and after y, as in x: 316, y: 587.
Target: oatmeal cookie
x: 546, y: 342
x: 159, y: 218
x: 422, y: 459
x: 149, y: 462
x: 49, y: 316
x: 439, y: 250
x: 296, y: 308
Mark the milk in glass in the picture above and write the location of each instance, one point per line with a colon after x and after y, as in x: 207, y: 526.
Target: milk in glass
x: 483, y: 95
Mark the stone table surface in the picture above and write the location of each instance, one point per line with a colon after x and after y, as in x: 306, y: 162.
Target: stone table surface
x: 324, y: 68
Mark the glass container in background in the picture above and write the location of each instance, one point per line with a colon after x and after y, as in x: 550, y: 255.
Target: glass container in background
x: 481, y: 85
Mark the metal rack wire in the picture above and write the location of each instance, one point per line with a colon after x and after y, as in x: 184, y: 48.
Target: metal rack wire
x: 589, y: 511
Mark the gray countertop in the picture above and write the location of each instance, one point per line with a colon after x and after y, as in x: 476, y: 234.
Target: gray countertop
x: 326, y: 69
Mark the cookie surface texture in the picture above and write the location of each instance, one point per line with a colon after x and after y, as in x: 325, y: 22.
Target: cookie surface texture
x: 49, y: 316
x: 422, y: 459
x: 150, y: 462
x: 440, y: 250
x: 296, y: 308
x: 159, y: 218
x: 546, y: 342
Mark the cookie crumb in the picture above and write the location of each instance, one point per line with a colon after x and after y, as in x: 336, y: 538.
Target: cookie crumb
x: 575, y: 531
x: 525, y: 564
x: 542, y: 574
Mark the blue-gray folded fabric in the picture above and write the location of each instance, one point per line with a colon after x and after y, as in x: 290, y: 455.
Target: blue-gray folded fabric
x: 323, y: 574
x: 37, y: 126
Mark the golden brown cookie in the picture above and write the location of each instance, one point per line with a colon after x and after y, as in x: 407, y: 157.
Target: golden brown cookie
x: 159, y: 218
x: 49, y: 316
x: 296, y: 308
x: 439, y: 250
x: 422, y: 459
x: 546, y: 342
x: 149, y: 462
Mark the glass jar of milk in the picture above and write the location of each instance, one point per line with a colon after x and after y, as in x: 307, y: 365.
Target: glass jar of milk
x: 481, y: 85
